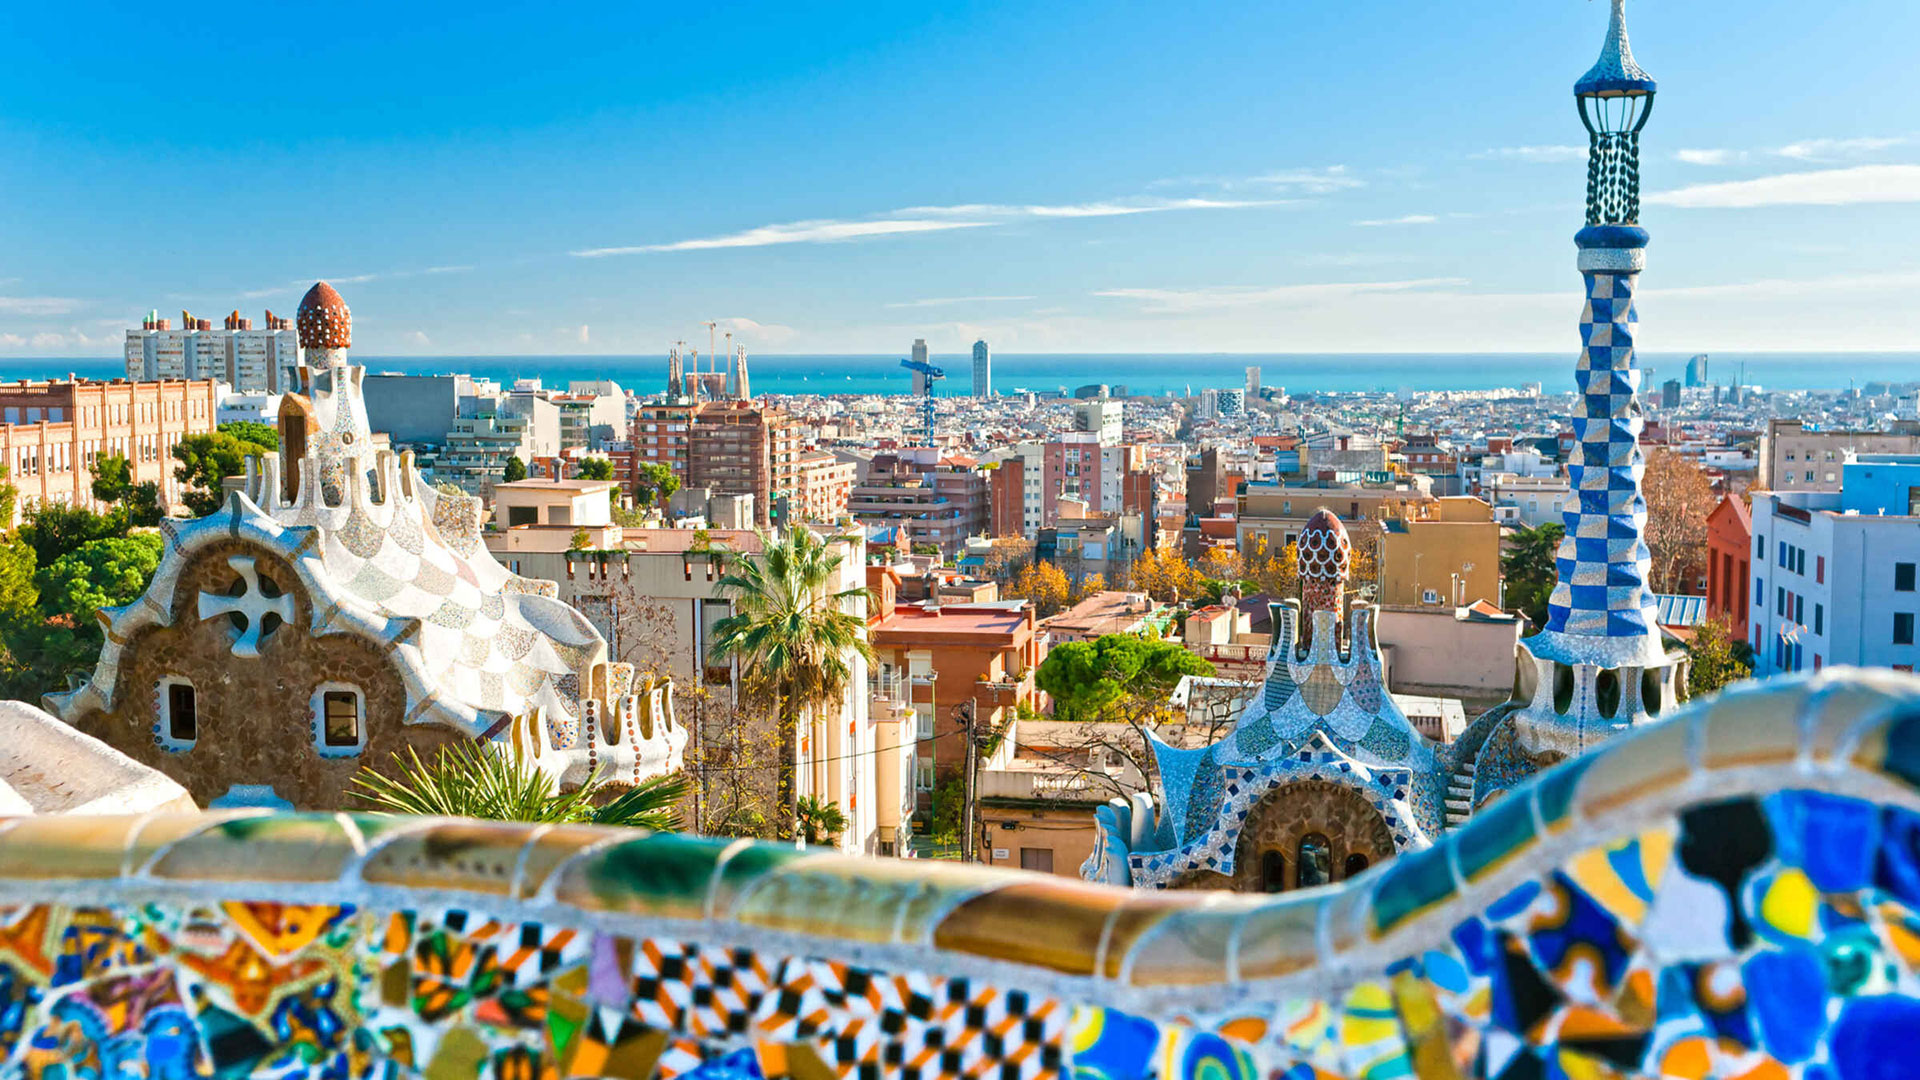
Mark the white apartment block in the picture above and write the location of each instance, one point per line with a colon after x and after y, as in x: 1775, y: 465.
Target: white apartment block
x: 1834, y: 573
x: 248, y: 360
x: 1100, y: 418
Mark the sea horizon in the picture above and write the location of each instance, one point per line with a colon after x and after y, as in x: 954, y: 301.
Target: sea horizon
x: 1142, y: 374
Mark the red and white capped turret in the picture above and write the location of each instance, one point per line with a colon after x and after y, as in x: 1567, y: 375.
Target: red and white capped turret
x: 324, y: 321
x: 1325, y: 552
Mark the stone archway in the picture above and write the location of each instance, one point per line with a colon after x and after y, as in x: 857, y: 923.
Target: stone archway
x: 1335, y: 823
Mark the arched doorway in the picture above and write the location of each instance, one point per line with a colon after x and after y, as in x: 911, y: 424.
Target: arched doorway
x: 1308, y: 833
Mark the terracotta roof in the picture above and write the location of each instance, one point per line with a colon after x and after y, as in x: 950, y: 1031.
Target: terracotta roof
x: 324, y: 321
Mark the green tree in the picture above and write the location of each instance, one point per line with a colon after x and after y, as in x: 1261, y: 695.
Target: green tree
x: 792, y: 632
x: 250, y: 431
x: 580, y: 540
x: 1719, y: 658
x: 19, y: 595
x: 1530, y: 572
x: 490, y: 781
x: 54, y: 530
x: 516, y: 470
x: 207, y: 459
x: 1093, y: 680
x: 595, y: 468
x: 98, y: 574
x: 113, y: 484
x: 653, y: 483
x: 821, y: 821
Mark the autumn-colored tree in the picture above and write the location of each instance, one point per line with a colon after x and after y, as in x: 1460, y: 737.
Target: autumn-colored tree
x: 1089, y: 585
x: 1162, y: 574
x: 1364, y: 567
x: 1679, y: 498
x: 1006, y: 558
x: 1043, y: 583
x: 1222, y: 563
x: 1275, y: 572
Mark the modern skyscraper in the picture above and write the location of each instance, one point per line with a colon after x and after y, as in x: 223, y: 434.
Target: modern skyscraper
x: 1697, y: 371
x: 982, y: 370
x: 919, y: 373
x: 1253, y: 383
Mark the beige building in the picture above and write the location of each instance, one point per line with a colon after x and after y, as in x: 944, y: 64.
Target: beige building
x: 1795, y: 459
x: 1443, y: 553
x: 53, y: 433
x: 822, y: 484
x: 1465, y: 652
x: 1274, y: 514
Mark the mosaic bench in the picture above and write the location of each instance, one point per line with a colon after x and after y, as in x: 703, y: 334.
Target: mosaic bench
x: 1731, y: 893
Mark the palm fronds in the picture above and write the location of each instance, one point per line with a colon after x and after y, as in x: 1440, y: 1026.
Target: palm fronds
x: 476, y: 780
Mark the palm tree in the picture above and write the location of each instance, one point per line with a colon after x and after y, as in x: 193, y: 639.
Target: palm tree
x: 792, y: 633
x: 470, y: 779
x: 820, y: 820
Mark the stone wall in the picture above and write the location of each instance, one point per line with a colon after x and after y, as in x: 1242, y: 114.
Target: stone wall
x: 255, y: 714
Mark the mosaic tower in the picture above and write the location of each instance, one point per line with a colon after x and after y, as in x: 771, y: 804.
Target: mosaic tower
x: 1325, y: 562
x: 1600, y: 661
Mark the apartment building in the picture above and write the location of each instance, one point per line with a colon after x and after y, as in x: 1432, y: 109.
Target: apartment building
x: 1442, y: 553
x: 1794, y: 457
x: 937, y: 501
x: 745, y: 448
x: 1729, y: 563
x: 1072, y: 466
x: 823, y: 487
x: 53, y: 433
x: 1274, y: 513
x: 1834, y: 572
x: 266, y: 360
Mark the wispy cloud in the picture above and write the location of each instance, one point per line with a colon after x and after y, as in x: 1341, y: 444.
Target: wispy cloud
x: 1404, y: 219
x: 1839, y: 149
x: 1324, y: 180
x: 923, y: 219
x: 1165, y: 301
x: 1827, y: 187
x: 1533, y: 155
x: 37, y: 305
x: 943, y: 301
x: 747, y: 331
x: 1849, y: 284
x: 1710, y: 157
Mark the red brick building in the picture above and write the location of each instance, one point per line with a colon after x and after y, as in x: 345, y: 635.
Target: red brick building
x: 1729, y: 549
x: 53, y: 433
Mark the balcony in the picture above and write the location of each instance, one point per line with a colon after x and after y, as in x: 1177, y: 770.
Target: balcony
x: 1003, y: 694
x: 887, y: 687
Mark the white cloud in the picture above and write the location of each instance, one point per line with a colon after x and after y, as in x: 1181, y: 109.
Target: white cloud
x: 1533, y: 155
x: 1827, y: 187
x: 1850, y: 284
x: 1405, y: 219
x: 1311, y: 181
x: 417, y: 337
x: 446, y: 269
x: 798, y: 232
x: 923, y: 219
x: 37, y: 305
x: 942, y: 301
x: 582, y: 333
x: 1233, y: 296
x: 11, y: 341
x: 1838, y: 149
x: 755, y: 334
x: 1710, y: 157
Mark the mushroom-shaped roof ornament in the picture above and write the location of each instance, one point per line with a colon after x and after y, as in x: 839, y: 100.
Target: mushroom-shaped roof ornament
x: 1324, y: 550
x: 324, y: 321
x: 1616, y: 74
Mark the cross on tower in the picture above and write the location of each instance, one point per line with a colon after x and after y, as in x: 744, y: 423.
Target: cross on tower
x: 252, y: 605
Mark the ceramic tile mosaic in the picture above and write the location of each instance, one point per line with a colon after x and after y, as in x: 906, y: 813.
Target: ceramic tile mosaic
x: 382, y: 553
x: 1612, y: 918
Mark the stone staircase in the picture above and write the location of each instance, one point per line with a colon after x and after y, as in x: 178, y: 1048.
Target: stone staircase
x: 1460, y: 795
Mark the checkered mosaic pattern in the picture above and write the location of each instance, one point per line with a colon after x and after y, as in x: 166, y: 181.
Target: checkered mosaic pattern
x: 1603, y: 562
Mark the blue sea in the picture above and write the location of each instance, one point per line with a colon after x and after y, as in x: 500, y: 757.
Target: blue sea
x: 1149, y: 374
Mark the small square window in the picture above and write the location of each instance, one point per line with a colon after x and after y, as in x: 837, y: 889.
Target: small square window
x: 1903, y: 628
x: 1903, y: 577
x: 339, y: 720
x: 179, y: 715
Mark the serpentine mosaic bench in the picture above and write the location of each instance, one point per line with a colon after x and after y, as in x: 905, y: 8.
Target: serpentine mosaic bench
x: 1732, y: 893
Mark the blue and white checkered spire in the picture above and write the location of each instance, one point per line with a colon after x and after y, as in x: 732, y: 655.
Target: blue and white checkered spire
x: 1602, y: 610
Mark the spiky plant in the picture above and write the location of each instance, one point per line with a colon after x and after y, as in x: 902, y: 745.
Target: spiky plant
x: 820, y: 820
x: 476, y: 780
x: 791, y: 632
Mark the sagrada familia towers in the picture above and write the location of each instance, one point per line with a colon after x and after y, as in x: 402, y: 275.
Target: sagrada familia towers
x: 1322, y: 775
x: 341, y: 608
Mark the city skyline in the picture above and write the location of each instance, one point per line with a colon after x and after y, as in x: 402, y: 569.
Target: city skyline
x: 1297, y: 185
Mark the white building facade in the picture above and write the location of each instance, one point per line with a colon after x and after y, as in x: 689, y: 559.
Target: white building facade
x: 248, y: 360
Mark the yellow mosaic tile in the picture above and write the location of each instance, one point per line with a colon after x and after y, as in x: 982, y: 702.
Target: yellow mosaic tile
x: 281, y: 848
x: 1053, y: 923
x: 64, y: 847
x: 472, y: 856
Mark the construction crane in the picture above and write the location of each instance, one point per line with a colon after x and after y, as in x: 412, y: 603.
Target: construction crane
x: 928, y: 376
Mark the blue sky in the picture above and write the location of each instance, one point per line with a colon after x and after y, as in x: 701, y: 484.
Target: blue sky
x: 1393, y: 175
